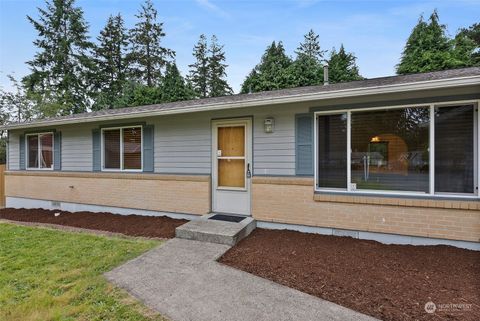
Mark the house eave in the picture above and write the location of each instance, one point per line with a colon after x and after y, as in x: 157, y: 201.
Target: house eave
x: 356, y: 92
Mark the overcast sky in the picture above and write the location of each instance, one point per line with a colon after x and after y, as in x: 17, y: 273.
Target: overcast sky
x: 374, y: 30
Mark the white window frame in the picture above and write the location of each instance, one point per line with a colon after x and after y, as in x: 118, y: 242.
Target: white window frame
x: 39, y: 168
x: 431, y: 192
x: 121, y: 169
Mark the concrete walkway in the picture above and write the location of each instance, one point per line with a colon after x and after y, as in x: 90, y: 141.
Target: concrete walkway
x: 182, y: 281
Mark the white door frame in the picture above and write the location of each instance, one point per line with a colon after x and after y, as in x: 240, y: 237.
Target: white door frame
x: 232, y: 200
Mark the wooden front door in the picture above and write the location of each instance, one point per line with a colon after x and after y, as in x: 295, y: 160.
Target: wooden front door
x: 231, y: 154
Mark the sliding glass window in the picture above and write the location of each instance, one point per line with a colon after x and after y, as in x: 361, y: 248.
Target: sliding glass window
x: 419, y: 150
x: 122, y: 149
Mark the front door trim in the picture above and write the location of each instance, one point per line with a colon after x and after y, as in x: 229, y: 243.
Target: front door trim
x: 232, y: 200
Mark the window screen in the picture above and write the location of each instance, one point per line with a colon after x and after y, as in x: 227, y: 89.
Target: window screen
x: 454, y: 149
x: 332, y: 151
x: 132, y: 148
x: 111, y: 143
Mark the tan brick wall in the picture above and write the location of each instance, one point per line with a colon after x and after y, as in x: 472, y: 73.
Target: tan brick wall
x: 277, y: 201
x: 169, y: 193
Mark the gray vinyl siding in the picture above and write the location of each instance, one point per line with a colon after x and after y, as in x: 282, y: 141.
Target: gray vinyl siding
x: 183, y: 142
x: 274, y: 153
x: 13, y: 151
x: 77, y: 148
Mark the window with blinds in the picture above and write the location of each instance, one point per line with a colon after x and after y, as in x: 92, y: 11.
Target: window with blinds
x: 40, y: 151
x: 122, y: 148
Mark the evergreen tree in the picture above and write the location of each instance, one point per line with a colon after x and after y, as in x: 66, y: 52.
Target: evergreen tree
x: 428, y: 48
x: 464, y: 52
x: 217, y: 84
x: 342, y: 66
x: 199, y: 70
x: 272, y: 71
x: 59, y: 75
x: 15, y: 106
x: 467, y: 42
x: 174, y: 87
x: 307, y: 69
x: 147, y: 55
x: 112, y: 65
x: 310, y: 47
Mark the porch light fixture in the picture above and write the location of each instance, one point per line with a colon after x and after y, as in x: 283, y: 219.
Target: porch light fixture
x: 269, y: 125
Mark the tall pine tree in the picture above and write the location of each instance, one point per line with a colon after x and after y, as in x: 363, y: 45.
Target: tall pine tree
x: 310, y: 47
x: 272, y: 71
x: 467, y: 42
x: 15, y: 106
x: 59, y: 78
x: 428, y: 48
x: 148, y: 56
x: 342, y: 66
x: 217, y: 82
x: 112, y: 65
x: 198, y: 76
x: 174, y: 86
x: 307, y: 69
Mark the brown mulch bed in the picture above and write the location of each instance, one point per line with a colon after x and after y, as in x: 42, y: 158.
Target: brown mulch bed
x: 389, y: 282
x: 132, y: 225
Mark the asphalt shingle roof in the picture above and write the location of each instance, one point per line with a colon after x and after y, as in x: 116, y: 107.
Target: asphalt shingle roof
x: 274, y: 94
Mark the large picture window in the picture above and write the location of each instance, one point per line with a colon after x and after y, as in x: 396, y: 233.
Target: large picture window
x: 390, y: 149
x: 415, y: 149
x: 40, y: 151
x: 122, y: 148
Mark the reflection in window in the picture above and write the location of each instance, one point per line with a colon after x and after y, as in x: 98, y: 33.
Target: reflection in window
x: 390, y: 149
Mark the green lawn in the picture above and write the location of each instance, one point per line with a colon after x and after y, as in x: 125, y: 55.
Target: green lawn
x: 54, y: 275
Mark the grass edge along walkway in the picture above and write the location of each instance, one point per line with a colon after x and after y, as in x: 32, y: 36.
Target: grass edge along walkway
x: 48, y: 275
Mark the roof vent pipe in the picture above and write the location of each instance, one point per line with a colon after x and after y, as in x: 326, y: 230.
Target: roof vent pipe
x: 325, y: 74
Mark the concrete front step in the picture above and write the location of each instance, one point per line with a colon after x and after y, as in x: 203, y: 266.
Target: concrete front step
x: 207, y: 230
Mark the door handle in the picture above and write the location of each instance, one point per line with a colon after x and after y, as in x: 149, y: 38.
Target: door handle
x: 249, y: 173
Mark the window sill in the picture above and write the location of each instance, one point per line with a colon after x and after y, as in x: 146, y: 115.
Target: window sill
x: 470, y: 203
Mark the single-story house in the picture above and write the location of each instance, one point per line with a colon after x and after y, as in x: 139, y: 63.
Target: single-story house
x: 394, y: 159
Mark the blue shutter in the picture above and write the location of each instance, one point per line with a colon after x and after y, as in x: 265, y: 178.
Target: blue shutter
x: 22, y: 152
x: 148, y: 161
x: 57, y: 151
x: 97, y: 153
x: 304, y: 144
